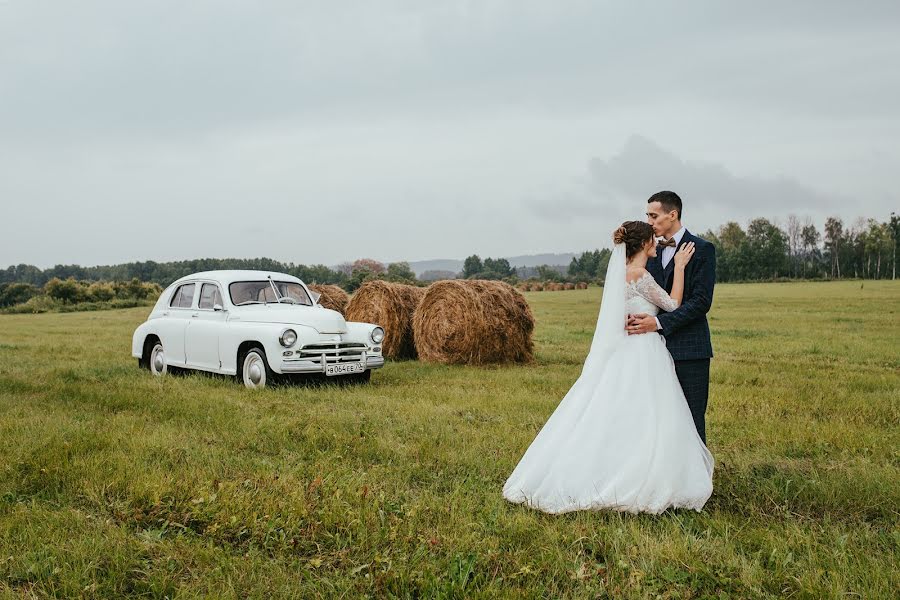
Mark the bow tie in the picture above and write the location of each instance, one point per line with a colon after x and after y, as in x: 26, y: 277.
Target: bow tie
x: 667, y: 242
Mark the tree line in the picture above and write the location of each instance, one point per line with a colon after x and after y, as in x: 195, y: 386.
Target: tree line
x: 766, y: 251
x: 26, y: 288
x: 762, y: 251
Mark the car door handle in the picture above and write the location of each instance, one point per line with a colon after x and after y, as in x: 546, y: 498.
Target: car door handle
x: 194, y: 316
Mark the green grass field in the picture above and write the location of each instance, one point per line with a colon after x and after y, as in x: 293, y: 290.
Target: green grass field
x: 117, y: 484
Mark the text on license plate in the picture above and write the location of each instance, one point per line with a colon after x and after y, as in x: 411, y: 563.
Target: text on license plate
x: 344, y: 369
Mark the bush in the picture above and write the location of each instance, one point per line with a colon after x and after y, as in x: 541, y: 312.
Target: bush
x: 66, y: 291
x: 101, y: 291
x: 136, y: 289
x: 66, y: 295
x: 16, y: 293
x: 36, y: 304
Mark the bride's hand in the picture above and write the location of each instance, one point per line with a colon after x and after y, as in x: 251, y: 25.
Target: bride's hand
x: 684, y: 254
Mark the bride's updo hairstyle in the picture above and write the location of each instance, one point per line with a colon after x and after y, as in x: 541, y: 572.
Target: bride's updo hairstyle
x: 634, y: 234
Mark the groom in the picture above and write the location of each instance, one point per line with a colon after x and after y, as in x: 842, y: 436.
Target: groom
x: 685, y: 329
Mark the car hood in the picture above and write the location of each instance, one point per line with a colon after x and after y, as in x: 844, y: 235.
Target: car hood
x: 323, y: 320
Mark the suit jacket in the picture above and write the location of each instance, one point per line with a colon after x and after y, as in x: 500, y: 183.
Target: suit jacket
x: 686, y: 329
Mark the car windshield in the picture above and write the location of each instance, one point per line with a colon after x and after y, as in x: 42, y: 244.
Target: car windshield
x: 261, y: 292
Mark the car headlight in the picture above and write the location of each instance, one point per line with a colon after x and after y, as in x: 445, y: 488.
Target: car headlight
x: 288, y: 338
x: 377, y: 335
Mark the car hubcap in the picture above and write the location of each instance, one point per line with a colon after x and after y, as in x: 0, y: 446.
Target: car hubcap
x: 254, y: 371
x: 158, y: 360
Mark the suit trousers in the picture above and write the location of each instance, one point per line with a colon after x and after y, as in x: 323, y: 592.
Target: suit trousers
x: 694, y: 378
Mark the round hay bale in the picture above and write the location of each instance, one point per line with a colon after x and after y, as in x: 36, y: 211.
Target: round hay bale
x: 474, y: 322
x: 333, y: 297
x: 537, y: 287
x: 391, y: 306
x: 570, y: 286
x: 582, y: 285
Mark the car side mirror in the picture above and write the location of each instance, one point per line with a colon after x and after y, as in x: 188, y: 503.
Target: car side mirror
x: 218, y: 307
x: 315, y: 297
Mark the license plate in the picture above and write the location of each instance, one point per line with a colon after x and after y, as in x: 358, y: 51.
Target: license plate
x: 344, y: 369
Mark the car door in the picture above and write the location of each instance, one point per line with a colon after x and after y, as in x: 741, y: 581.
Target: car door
x: 172, y: 325
x: 204, y: 329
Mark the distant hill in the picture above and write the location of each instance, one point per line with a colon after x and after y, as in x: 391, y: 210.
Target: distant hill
x: 528, y: 260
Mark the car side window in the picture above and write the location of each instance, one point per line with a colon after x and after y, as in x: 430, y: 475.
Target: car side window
x: 210, y: 296
x: 184, y: 296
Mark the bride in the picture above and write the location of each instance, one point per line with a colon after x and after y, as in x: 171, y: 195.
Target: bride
x: 622, y: 438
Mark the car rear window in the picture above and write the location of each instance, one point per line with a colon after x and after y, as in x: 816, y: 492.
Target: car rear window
x: 184, y: 296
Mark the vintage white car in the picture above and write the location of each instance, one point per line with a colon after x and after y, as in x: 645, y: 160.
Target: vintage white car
x: 253, y: 324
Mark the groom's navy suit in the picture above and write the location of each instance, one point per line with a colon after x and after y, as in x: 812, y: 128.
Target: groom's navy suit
x: 685, y: 329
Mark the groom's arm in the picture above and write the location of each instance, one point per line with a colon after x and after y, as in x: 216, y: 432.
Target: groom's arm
x: 703, y: 280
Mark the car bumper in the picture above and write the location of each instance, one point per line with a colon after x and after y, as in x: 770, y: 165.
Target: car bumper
x: 316, y: 366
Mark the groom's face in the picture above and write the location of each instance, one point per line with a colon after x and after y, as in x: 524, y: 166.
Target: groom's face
x: 662, y: 222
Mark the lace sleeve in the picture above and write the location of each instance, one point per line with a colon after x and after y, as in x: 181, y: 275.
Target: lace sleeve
x: 649, y: 289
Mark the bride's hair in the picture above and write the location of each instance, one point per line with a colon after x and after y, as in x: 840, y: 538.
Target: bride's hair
x: 634, y: 234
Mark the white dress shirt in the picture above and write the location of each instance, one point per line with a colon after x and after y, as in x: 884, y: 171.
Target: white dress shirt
x: 668, y: 253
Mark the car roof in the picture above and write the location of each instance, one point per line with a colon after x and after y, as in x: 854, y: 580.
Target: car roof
x: 227, y: 277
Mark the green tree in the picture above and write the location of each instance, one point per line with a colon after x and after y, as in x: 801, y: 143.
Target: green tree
x: 23, y: 274
x: 809, y: 243
x: 400, y: 272
x: 589, y: 265
x: 878, y: 244
x: 358, y: 277
x: 472, y: 266
x: 319, y: 274
x: 496, y: 268
x: 834, y: 233
x: 768, y: 249
x: 731, y: 252
x: 894, y: 226
x: 548, y: 273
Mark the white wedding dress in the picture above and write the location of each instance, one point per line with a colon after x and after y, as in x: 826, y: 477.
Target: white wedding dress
x: 622, y: 438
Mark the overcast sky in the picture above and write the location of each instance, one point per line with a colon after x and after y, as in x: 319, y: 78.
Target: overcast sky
x: 319, y: 132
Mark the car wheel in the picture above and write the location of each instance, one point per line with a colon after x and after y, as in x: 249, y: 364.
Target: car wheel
x: 157, y: 363
x: 255, y: 372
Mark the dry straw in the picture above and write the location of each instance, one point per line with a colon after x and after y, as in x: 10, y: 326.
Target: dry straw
x: 333, y: 297
x: 390, y: 305
x: 474, y: 322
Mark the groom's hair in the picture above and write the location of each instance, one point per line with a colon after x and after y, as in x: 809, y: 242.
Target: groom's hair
x: 668, y: 200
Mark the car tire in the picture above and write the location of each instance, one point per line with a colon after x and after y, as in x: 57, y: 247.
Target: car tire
x: 156, y: 361
x: 255, y: 372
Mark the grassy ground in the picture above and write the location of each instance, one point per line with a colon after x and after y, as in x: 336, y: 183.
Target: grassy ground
x: 113, y: 483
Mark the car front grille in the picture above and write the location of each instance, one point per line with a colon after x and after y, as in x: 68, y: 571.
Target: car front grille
x: 331, y: 353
